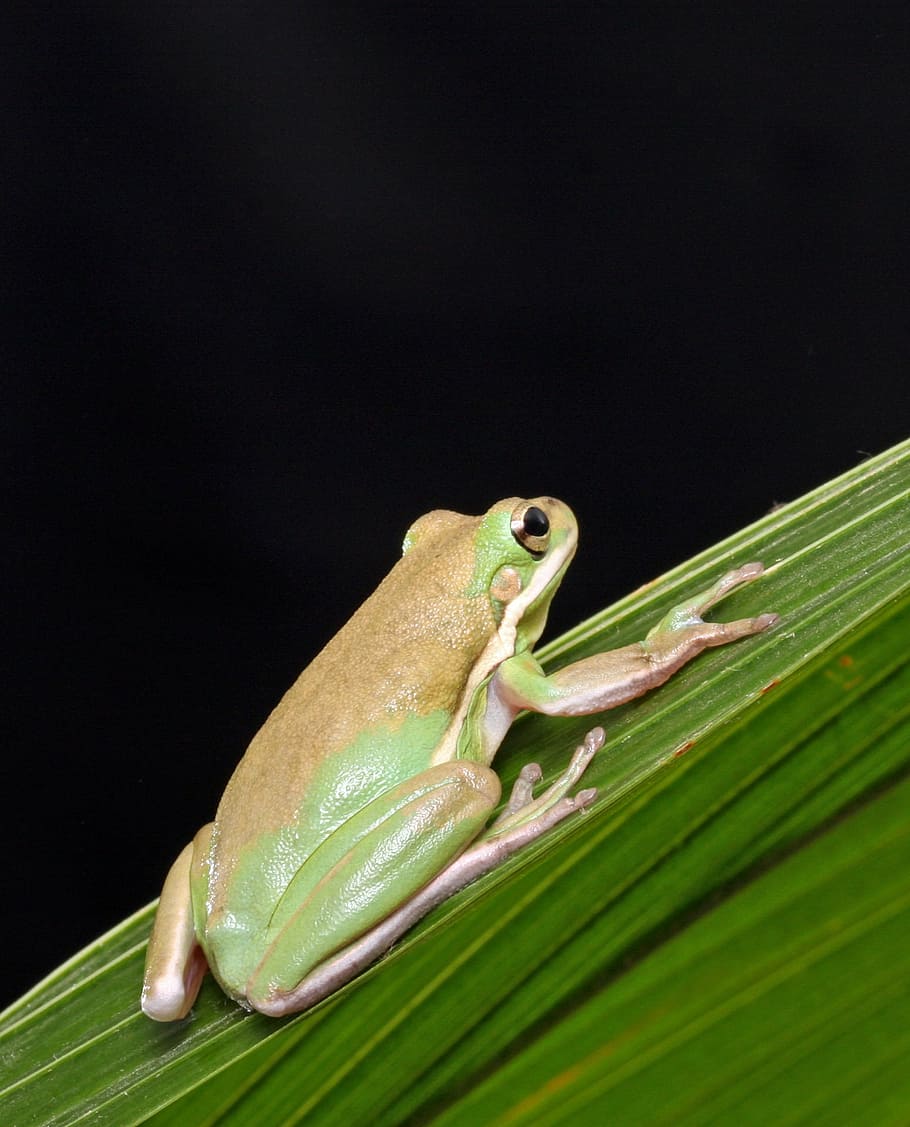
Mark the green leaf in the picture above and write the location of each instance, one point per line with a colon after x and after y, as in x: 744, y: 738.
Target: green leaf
x: 722, y: 937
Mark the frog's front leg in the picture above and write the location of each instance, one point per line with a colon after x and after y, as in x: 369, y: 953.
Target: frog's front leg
x: 605, y: 680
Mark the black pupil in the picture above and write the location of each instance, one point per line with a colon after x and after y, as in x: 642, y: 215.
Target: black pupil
x: 536, y: 522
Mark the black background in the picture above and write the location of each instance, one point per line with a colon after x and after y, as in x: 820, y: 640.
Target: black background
x: 279, y: 278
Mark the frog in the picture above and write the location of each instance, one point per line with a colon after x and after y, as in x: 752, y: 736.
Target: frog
x: 368, y: 797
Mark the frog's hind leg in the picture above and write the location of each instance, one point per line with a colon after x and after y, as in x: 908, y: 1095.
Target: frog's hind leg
x: 335, y: 907
x: 525, y: 818
x: 175, y: 963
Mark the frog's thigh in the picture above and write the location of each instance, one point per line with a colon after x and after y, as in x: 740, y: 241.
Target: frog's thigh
x: 416, y: 831
x: 174, y: 963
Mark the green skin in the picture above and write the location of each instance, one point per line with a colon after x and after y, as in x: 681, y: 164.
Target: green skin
x: 363, y: 800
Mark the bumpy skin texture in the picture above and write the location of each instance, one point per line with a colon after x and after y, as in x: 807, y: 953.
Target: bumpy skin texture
x: 355, y: 807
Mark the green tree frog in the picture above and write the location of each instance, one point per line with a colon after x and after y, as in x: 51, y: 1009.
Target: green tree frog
x: 365, y: 798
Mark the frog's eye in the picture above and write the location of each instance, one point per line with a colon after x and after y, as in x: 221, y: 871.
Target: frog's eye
x: 531, y: 528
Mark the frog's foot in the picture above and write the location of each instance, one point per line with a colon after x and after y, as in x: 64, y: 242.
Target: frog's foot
x: 175, y: 964
x: 522, y: 807
x: 524, y: 819
x: 691, y: 612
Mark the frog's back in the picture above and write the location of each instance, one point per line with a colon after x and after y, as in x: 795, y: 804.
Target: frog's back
x: 371, y: 707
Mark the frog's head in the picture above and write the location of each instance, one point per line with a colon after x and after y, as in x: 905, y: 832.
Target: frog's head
x: 499, y: 570
x: 522, y: 549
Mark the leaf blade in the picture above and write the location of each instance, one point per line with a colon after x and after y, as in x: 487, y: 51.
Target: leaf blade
x: 836, y: 571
